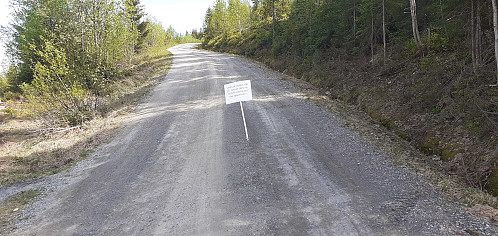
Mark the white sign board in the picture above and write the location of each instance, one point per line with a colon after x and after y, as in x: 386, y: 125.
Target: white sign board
x: 238, y: 91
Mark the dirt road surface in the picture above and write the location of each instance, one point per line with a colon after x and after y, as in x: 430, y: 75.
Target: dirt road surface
x: 182, y: 166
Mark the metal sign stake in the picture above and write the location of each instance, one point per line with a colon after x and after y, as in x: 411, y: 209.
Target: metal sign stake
x: 244, y: 119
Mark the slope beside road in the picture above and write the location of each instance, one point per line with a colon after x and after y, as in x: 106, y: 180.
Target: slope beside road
x: 182, y: 166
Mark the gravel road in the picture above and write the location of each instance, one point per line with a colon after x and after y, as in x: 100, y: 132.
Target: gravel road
x: 182, y: 166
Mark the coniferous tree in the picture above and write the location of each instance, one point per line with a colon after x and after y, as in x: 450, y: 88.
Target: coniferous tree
x: 136, y: 14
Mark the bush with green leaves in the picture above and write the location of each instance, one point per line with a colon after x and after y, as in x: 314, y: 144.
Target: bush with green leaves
x: 70, y: 52
x: 56, y: 92
x: 4, y: 86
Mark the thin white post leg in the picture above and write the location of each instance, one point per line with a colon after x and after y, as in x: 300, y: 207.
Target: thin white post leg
x: 244, y: 118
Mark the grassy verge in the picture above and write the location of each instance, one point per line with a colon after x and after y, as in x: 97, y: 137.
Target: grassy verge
x: 13, y: 206
x: 30, y: 149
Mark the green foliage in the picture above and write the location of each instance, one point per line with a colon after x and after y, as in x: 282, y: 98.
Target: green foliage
x: 9, y: 110
x: 493, y: 184
x: 135, y: 13
x: 411, y: 49
x: 23, y: 198
x: 427, y: 63
x: 301, y: 27
x: 438, y: 43
x: 226, y: 18
x: 70, y: 52
x: 187, y: 38
x: 4, y: 86
x: 55, y: 91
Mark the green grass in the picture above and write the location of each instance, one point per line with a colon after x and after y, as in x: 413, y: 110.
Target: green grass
x: 11, y: 209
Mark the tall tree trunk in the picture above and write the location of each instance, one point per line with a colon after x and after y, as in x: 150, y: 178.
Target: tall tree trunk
x: 478, y: 35
x: 240, y: 26
x: 413, y: 11
x: 274, y: 16
x: 372, y: 33
x: 354, y: 23
x: 441, y: 9
x: 495, y: 27
x: 384, y: 28
x: 310, y: 24
x: 472, y: 35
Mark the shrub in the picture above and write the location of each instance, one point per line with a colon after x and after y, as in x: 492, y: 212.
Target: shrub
x: 55, y: 93
x: 4, y: 86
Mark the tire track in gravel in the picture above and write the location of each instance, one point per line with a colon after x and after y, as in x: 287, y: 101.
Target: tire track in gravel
x: 182, y: 166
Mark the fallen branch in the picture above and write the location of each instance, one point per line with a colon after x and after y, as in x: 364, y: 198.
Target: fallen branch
x: 55, y: 130
x: 68, y: 129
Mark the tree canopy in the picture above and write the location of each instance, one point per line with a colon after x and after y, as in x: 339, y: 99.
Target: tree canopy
x: 67, y: 53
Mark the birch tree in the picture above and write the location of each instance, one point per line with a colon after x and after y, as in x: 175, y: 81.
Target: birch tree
x: 495, y: 29
x: 413, y: 12
x: 384, y: 28
x: 71, y: 51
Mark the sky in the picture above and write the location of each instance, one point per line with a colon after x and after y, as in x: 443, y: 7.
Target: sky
x: 4, y: 20
x: 184, y: 15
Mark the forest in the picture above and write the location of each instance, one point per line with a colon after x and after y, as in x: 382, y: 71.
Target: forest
x: 67, y: 56
x: 424, y: 69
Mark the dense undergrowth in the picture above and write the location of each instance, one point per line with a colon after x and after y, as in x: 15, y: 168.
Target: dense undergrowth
x: 438, y: 96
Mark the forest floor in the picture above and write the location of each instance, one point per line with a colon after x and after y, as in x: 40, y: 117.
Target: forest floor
x: 435, y: 103
x: 378, y: 129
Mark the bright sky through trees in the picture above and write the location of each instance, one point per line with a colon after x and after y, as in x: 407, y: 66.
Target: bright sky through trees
x: 183, y: 15
x: 4, y: 19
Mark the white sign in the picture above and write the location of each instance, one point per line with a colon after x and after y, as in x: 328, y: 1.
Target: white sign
x: 238, y: 91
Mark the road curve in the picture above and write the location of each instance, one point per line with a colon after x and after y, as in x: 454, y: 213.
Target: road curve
x: 182, y: 166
